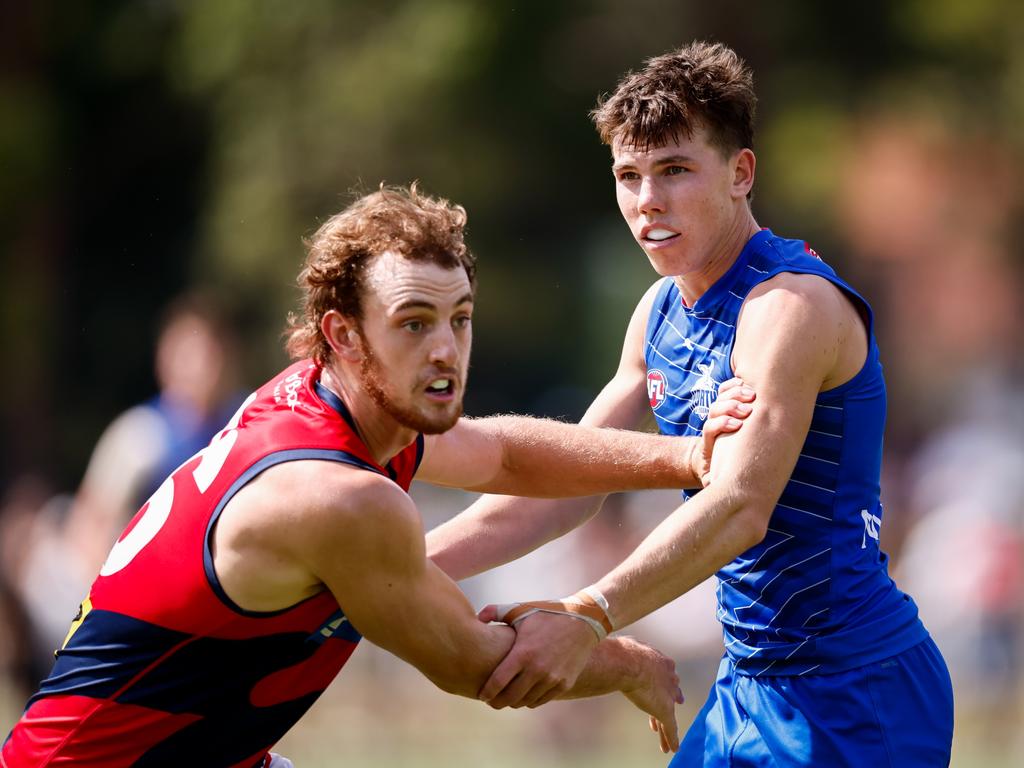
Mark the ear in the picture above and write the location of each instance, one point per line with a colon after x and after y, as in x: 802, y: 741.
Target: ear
x: 342, y: 335
x: 744, y: 165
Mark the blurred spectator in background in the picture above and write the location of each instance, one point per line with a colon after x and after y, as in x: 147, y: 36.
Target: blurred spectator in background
x: 18, y: 510
x: 51, y: 554
x: 930, y: 211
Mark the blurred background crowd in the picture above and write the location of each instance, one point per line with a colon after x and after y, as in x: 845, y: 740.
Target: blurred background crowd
x: 162, y: 161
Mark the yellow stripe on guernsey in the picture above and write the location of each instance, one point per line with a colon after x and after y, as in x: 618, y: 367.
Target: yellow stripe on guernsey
x: 83, y: 611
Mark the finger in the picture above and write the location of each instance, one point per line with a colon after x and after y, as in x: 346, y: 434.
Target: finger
x: 736, y: 389
x: 502, y: 675
x: 720, y: 425
x: 730, y: 407
x: 662, y: 739
x: 512, y: 695
x: 535, y: 693
x: 488, y: 613
x: 734, y: 406
x: 653, y: 722
x: 730, y: 384
x: 553, y: 693
x: 672, y: 733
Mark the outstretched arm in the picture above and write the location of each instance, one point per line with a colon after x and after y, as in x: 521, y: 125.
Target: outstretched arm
x: 794, y: 334
x: 498, y: 529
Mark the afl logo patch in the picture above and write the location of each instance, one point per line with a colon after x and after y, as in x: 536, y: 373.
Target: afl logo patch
x: 656, y: 386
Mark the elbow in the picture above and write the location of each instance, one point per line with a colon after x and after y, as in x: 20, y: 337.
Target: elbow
x: 750, y: 522
x: 468, y: 665
x: 460, y: 681
x: 454, y: 686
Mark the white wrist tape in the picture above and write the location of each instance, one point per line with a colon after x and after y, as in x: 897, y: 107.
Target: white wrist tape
x: 587, y: 605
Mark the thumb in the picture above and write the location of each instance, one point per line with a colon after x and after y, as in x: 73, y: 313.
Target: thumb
x: 488, y: 613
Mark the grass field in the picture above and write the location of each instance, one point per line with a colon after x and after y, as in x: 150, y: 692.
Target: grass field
x: 382, y: 714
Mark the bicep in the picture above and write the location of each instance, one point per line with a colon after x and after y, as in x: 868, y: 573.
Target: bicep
x: 466, y: 456
x: 786, y: 344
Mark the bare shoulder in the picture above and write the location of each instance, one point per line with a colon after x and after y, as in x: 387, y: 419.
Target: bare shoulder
x: 300, y: 524
x: 632, y: 352
x: 334, y: 492
x: 307, y: 503
x: 643, y: 307
x: 806, y: 320
x: 802, y: 296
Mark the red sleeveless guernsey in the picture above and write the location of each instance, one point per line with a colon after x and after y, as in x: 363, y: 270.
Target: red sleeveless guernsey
x: 160, y: 668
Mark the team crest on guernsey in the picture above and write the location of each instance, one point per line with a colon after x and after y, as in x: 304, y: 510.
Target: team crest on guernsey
x: 657, y: 384
x: 704, y: 391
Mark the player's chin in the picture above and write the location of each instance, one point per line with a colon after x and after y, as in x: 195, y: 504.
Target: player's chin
x: 662, y: 264
x: 436, y: 423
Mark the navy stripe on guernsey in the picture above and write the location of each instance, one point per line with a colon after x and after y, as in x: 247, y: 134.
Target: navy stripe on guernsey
x: 80, y: 668
x: 814, y: 596
x: 186, y: 663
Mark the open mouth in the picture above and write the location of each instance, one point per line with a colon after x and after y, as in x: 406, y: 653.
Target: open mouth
x: 660, y: 235
x: 441, y: 386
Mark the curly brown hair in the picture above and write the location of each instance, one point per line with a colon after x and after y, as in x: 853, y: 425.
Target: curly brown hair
x: 398, y: 219
x: 700, y: 85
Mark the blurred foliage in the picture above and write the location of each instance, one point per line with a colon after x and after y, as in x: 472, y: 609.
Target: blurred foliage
x: 152, y: 146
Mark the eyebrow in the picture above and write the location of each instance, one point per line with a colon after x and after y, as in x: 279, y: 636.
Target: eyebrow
x: 466, y: 298
x: 670, y: 160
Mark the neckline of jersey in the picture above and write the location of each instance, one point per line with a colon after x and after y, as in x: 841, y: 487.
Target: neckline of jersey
x: 717, y: 293
x: 331, y: 399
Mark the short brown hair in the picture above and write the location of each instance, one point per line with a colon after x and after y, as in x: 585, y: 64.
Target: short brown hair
x: 398, y: 219
x: 702, y: 84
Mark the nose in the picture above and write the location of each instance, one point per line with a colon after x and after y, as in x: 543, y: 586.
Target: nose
x: 444, y: 351
x: 649, y: 198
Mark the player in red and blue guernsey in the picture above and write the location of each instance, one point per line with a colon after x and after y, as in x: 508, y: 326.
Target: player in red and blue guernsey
x: 242, y: 586
x: 826, y: 662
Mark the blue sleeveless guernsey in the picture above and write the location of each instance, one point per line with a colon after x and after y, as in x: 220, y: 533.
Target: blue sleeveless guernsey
x: 814, y: 596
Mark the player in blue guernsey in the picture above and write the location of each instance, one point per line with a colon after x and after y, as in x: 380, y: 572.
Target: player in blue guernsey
x: 827, y: 662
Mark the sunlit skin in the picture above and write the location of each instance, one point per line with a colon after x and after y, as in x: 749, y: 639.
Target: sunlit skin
x: 402, y: 368
x: 692, y: 195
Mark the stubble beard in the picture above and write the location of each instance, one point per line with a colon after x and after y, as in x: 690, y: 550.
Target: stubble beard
x: 372, y: 381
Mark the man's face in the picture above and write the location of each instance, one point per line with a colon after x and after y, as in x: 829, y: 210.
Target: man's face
x: 680, y: 201
x: 416, y: 333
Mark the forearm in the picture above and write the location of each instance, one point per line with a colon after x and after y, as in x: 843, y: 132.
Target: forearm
x: 693, y: 543
x: 549, y: 459
x: 498, y: 529
x: 465, y: 658
x: 617, y: 664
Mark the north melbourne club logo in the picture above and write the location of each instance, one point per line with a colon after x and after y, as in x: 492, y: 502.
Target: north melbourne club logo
x: 704, y: 392
x: 656, y: 387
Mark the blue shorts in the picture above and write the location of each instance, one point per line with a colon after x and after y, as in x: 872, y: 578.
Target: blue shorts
x: 894, y: 713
